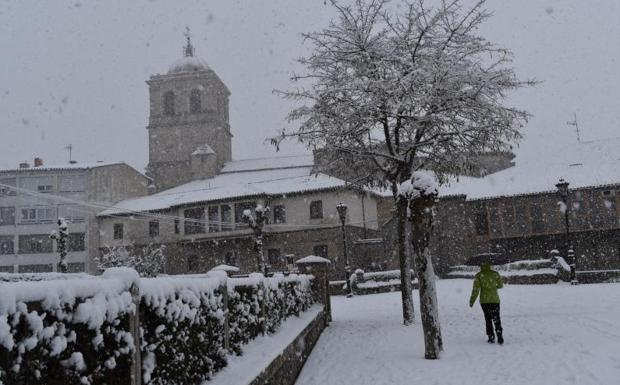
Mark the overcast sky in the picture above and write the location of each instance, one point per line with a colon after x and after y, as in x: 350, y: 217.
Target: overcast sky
x: 74, y: 71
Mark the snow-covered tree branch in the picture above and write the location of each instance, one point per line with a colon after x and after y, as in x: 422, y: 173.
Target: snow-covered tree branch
x: 390, y: 91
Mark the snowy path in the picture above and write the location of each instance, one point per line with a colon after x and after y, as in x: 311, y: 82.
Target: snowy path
x: 555, y: 334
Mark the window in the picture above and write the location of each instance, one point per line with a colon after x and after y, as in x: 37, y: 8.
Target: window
x: 537, y: 218
x: 230, y: 258
x: 6, y: 245
x: 72, y: 213
x: 72, y: 183
x: 240, y: 208
x: 195, y: 105
x: 42, y: 184
x: 214, y: 219
x: 35, y: 268
x: 45, y: 188
x: 5, y: 184
x: 192, y: 263
x: 481, y: 222
x: 76, y: 267
x: 279, y: 214
x: 273, y: 256
x: 316, y: 209
x: 194, y: 220
x: 153, y: 229
x: 35, y: 244
x: 169, y: 103
x: 177, y: 224
x: 6, y: 269
x: 320, y: 251
x: 76, y: 242
x: 38, y: 214
x: 7, y: 216
x: 118, y: 231
x: 226, y: 213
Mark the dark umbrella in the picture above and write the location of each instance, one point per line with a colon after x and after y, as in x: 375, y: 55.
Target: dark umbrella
x: 492, y: 258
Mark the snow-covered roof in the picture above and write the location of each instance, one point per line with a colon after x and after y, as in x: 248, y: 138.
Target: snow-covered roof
x: 205, y: 149
x: 188, y: 64
x: 312, y: 259
x: 304, y: 160
x: 228, y: 268
x: 587, y: 164
x: 67, y: 166
x: 233, y: 185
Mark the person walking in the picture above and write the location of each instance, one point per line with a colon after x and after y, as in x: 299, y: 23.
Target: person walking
x: 486, y: 283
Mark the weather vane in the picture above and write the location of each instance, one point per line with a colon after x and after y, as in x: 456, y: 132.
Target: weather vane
x: 189, y: 49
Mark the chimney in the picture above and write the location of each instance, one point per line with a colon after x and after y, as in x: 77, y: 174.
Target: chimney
x: 24, y: 165
x: 38, y: 162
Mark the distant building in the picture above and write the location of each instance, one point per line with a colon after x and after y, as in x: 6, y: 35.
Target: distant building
x: 189, y: 131
x: 32, y: 199
x: 518, y: 211
x: 201, y: 222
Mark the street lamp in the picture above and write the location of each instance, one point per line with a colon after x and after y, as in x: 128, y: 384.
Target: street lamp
x: 342, y: 213
x: 563, y: 190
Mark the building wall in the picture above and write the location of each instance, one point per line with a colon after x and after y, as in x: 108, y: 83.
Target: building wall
x: 173, y: 138
x: 101, y: 185
x: 297, y: 237
x: 525, y: 227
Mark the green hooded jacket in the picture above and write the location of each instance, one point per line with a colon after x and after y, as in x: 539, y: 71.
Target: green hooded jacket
x: 486, y: 283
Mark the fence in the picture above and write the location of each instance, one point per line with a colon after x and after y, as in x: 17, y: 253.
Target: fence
x: 122, y: 329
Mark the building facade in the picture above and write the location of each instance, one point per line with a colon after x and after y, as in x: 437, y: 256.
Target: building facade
x: 33, y: 198
x: 519, y: 213
x: 201, y: 223
x: 189, y: 131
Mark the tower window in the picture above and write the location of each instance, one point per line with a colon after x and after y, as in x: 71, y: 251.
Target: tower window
x: 195, y: 105
x: 169, y: 103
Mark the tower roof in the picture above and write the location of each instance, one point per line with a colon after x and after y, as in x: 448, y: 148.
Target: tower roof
x: 189, y: 62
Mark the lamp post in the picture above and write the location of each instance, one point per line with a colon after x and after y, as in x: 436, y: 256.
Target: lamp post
x: 342, y: 213
x: 256, y: 223
x: 563, y: 190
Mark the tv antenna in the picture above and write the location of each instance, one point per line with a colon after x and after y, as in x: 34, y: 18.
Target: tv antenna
x: 576, y: 125
x: 70, y: 149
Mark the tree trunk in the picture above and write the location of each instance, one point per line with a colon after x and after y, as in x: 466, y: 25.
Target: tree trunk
x: 403, y: 257
x: 421, y: 225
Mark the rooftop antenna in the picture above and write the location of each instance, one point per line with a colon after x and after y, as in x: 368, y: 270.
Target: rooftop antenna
x: 576, y: 125
x: 188, y: 50
x: 70, y: 149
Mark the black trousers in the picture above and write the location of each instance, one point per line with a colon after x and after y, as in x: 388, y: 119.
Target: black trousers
x: 491, y: 317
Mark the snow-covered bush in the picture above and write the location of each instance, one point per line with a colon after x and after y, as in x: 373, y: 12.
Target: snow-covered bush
x: 182, y: 326
x: 258, y: 304
x: 65, y: 332
x: 78, y: 331
x: 148, y: 261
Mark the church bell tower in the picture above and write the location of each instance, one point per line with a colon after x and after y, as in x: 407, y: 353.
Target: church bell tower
x: 189, y: 131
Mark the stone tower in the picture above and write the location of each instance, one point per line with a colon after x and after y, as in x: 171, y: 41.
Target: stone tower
x: 189, y: 131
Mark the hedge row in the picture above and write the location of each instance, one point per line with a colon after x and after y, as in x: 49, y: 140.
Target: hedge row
x: 78, y: 331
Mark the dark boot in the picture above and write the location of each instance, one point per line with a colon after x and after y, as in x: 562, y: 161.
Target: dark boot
x: 491, y: 339
x: 500, y: 338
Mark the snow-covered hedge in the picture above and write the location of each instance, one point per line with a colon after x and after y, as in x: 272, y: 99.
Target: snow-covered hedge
x: 182, y: 329
x: 72, y: 331
x: 66, y: 331
x: 259, y: 305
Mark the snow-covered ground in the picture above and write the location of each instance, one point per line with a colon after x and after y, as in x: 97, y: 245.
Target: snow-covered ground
x: 555, y: 334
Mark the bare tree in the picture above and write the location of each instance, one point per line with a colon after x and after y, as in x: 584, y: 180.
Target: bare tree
x: 395, y: 91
